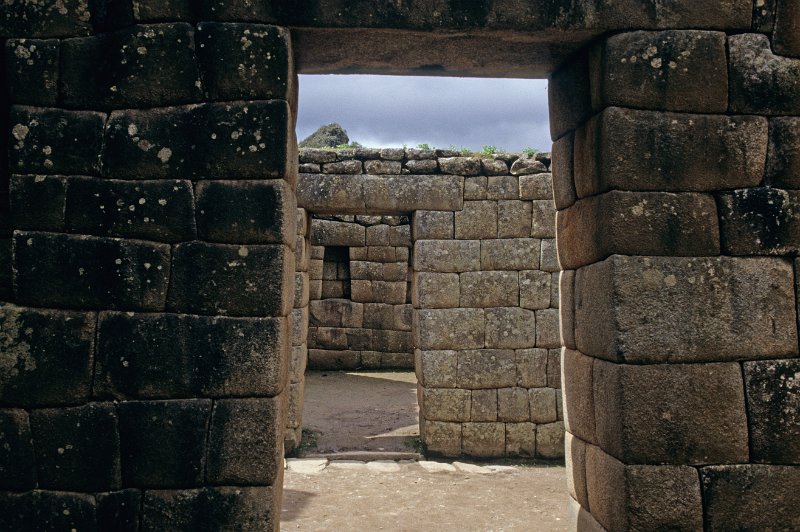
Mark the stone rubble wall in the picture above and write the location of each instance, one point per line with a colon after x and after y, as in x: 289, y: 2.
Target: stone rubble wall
x: 484, y: 287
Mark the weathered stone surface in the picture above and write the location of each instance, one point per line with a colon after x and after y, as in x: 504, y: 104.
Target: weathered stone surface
x: 486, y: 368
x: 333, y: 360
x: 485, y: 440
x: 760, y: 221
x: 300, y: 289
x: 564, y: 192
x: 671, y: 413
x: 336, y: 313
x: 392, y: 292
x: 550, y: 440
x: 299, y: 325
x: 673, y: 70
x: 510, y: 328
x: 534, y: 289
x: 489, y: 289
x: 531, y: 367
x: 773, y: 406
x: 421, y: 167
x: 350, y: 166
x: 436, y: 369
x: 762, y: 82
x: 642, y: 497
x: 48, y: 510
x: 17, y: 460
x: 227, y: 279
x: 501, y: 187
x: 536, y: 186
x: 235, y: 140
x: 449, y: 256
x: 246, y: 212
x: 484, y: 405
x: 520, y: 439
x: 751, y: 497
x: 510, y: 254
x: 45, y: 141
x: 90, y: 272
x: 382, y: 167
x: 441, y: 438
x: 543, y: 223
x: 167, y: 356
x: 786, y: 39
x: 547, y: 328
x: 445, y: 404
x: 31, y: 19
x: 513, y: 405
x: 548, y: 260
x: 449, y: 328
x: 627, y: 149
x: 251, y: 508
x: 244, y: 61
x: 436, y: 290
x: 783, y: 155
x: 527, y: 165
x: 6, y: 261
x: 554, y: 368
x: 163, y: 443
x: 244, y: 442
x: 514, y: 219
x: 119, y: 510
x: 643, y: 223
x: 639, y: 309
x: 140, y: 66
x: 37, y: 202
x: 577, y: 378
x: 542, y: 405
x: 475, y: 187
x: 32, y: 67
x: 432, y: 225
x: 389, y: 235
x: 316, y: 155
x: 462, y: 166
x: 77, y: 449
x: 151, y: 210
x: 575, y: 461
x: 494, y: 167
x: 46, y: 356
x: 403, y: 194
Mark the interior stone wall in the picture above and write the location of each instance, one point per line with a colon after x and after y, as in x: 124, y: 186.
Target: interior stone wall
x: 484, y: 288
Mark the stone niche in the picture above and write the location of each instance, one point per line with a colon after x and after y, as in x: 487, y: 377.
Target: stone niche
x: 441, y: 262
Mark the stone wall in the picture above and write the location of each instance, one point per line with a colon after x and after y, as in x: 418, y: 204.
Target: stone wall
x: 484, y: 288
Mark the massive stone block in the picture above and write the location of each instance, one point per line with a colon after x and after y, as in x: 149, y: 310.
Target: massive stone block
x: 77, y: 449
x: 244, y: 441
x: 786, y: 39
x: 445, y: 404
x: 514, y: 219
x: 401, y: 194
x: 246, y: 212
x: 432, y: 225
x: 578, y: 385
x: 335, y: 233
x: 388, y: 235
x: 231, y: 280
x: 449, y: 329
x: 485, y: 440
x: 17, y: 461
x: 627, y: 149
x: 531, y: 367
x: 510, y: 254
x: 773, y: 405
x: 32, y: 66
x: 151, y: 210
x: 54, y: 141
x: 252, y: 508
x: 32, y: 19
x: 673, y: 70
x: 757, y: 497
x: 569, y: 96
x: 477, y: 220
x: 47, y: 356
x: 119, y: 510
x: 161, y: 356
x: 236, y: 140
x: 783, y: 155
x: 48, y: 510
x: 489, y: 289
x: 436, y: 369
x: 140, y: 66
x: 637, y: 223
x: 762, y: 82
x: 448, y: 255
x: 243, y: 61
x: 69, y: 271
x: 37, y: 203
x: 486, y: 368
x: 510, y: 328
x: 564, y: 193
x: 534, y: 289
x: 642, y: 497
x: 638, y: 309
x: 760, y: 221
x: 163, y: 443
x: 671, y: 413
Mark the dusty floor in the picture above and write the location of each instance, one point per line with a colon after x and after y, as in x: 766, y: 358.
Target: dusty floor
x: 360, y: 411
x: 375, y: 411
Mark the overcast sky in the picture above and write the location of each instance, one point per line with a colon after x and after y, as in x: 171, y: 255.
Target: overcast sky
x: 389, y: 111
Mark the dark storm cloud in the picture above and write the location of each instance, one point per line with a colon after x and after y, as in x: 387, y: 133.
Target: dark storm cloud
x: 385, y: 111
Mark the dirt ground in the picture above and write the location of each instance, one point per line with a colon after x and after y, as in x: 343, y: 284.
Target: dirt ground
x: 360, y: 411
x: 377, y: 412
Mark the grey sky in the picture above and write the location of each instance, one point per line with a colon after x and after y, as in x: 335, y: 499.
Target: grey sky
x: 389, y: 111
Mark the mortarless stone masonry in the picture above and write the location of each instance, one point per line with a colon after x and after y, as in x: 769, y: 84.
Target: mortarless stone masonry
x: 680, y: 385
